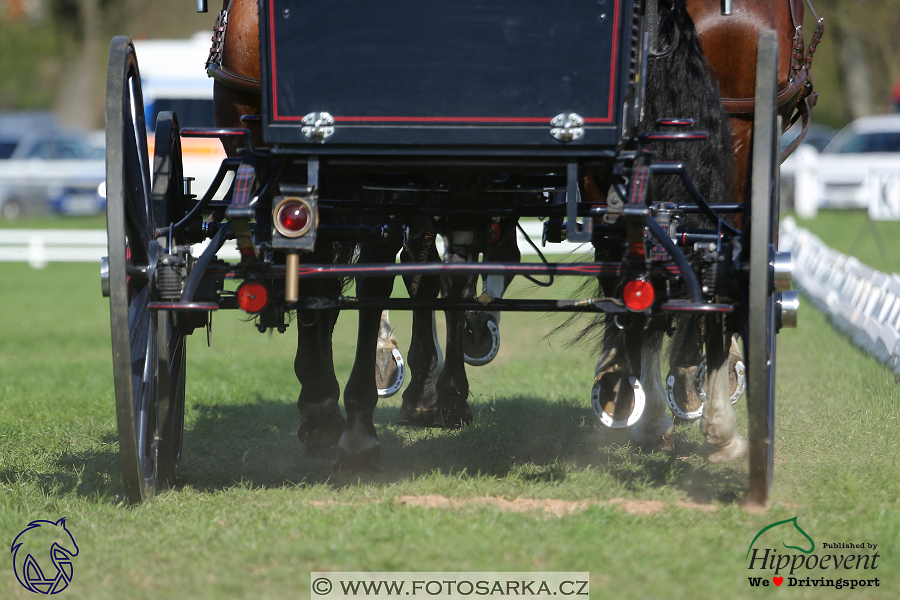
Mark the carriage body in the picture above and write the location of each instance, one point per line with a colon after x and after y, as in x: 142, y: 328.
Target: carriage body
x: 449, y: 78
x: 397, y: 112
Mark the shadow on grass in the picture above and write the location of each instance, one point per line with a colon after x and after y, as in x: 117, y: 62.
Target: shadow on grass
x: 94, y: 473
x: 532, y: 439
x: 529, y: 439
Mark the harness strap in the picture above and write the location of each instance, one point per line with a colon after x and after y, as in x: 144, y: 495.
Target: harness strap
x: 233, y: 80
x: 214, y: 66
x: 744, y: 106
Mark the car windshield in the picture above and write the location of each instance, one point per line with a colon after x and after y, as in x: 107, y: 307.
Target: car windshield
x: 856, y: 143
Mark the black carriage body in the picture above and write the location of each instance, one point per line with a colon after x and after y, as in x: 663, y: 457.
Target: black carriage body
x: 460, y: 77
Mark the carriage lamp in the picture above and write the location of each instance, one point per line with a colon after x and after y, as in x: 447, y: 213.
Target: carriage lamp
x: 293, y: 217
x: 638, y: 295
x: 252, y: 297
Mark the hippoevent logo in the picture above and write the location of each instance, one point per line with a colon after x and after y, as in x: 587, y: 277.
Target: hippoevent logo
x: 797, y: 563
x: 42, y: 556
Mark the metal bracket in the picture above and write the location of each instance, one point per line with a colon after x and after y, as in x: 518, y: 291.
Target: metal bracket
x: 575, y: 232
x: 318, y: 126
x: 567, y: 127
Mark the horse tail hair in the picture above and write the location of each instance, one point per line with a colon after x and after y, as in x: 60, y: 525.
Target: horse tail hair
x: 679, y: 84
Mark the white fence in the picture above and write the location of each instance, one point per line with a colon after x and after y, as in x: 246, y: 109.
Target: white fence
x: 862, y: 302
x: 38, y: 247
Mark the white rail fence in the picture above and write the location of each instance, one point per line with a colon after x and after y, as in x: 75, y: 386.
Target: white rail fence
x: 862, y: 302
x: 38, y: 247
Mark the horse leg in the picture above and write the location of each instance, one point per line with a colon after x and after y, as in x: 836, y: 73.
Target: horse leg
x: 722, y: 441
x: 390, y: 372
x: 654, y: 428
x: 482, y: 337
x: 321, y: 421
x: 453, y: 386
x: 684, y: 361
x: 420, y: 399
x: 685, y: 383
x: 358, y: 447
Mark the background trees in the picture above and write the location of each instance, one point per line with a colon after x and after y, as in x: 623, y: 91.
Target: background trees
x: 53, y: 52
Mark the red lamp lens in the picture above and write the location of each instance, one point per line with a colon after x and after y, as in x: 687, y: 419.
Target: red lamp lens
x: 252, y: 297
x: 638, y: 295
x: 293, y: 216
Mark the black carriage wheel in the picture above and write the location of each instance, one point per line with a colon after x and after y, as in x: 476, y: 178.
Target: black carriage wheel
x: 132, y: 262
x: 759, y: 334
x: 167, y: 207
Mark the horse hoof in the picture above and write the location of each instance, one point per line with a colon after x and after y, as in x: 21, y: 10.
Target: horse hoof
x: 735, y: 449
x: 617, y: 399
x: 660, y: 436
x: 481, y: 338
x: 320, y: 427
x: 686, y: 387
x: 682, y: 395
x: 417, y: 417
x: 358, y: 452
x: 390, y: 372
x: 454, y: 418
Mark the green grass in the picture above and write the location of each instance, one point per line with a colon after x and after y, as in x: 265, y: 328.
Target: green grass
x: 875, y: 243
x: 256, y: 516
x: 97, y: 221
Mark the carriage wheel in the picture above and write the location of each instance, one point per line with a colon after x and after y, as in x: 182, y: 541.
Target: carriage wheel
x: 759, y: 334
x: 167, y: 205
x: 135, y: 329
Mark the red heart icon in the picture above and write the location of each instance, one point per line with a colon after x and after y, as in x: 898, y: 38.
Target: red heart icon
x: 778, y: 580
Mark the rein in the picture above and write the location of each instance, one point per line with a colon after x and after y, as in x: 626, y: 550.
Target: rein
x: 214, y: 66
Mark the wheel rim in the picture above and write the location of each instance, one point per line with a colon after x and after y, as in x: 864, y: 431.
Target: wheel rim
x: 167, y: 203
x: 132, y: 251
x: 759, y: 327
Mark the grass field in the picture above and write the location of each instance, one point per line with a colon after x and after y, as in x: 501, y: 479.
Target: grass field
x: 256, y: 516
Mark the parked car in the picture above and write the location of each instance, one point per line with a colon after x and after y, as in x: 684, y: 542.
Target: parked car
x: 866, y: 146
x: 40, y: 171
x: 817, y: 138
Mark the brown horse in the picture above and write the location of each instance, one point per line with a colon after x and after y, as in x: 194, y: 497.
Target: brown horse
x: 718, y: 50
x: 727, y: 44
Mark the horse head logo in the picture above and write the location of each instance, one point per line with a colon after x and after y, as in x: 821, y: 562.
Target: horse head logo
x: 42, y: 556
x: 785, y: 533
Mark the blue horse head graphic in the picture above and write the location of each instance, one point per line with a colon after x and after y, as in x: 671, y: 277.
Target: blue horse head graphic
x: 42, y: 556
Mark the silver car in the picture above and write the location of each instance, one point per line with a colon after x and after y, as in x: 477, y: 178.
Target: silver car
x: 38, y: 167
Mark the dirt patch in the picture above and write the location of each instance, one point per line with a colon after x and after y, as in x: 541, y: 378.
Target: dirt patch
x: 552, y: 507
x: 558, y: 508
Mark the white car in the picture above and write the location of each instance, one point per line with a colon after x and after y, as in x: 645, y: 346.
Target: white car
x: 866, y: 149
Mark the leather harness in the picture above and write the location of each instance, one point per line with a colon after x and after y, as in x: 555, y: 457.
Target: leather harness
x: 214, y: 66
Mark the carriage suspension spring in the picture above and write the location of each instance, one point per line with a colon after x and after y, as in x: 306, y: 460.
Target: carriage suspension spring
x: 718, y: 272
x: 170, y: 278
